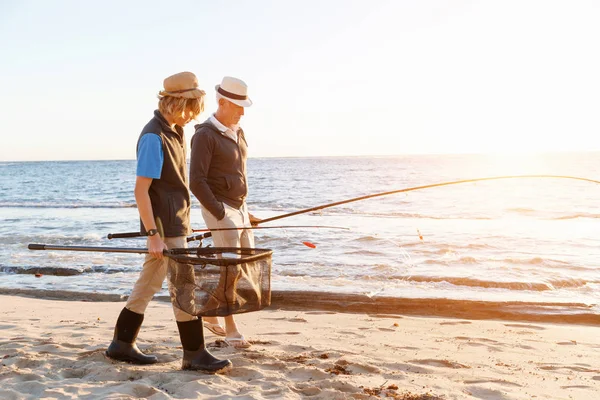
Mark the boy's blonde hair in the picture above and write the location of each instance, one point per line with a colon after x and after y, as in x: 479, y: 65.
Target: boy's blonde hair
x: 171, y: 106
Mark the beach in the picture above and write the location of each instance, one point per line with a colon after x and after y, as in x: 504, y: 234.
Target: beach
x: 54, y: 349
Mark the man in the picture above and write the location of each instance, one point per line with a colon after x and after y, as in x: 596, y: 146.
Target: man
x: 218, y: 180
x: 163, y: 202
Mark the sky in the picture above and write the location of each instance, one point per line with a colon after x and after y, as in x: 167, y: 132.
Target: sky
x: 328, y: 78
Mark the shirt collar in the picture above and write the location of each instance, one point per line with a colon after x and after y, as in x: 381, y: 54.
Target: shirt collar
x: 223, y: 129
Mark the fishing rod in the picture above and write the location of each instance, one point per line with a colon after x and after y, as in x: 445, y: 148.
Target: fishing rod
x: 337, y: 203
x: 139, y: 234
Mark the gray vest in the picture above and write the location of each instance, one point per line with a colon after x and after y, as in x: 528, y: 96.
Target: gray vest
x: 169, y: 195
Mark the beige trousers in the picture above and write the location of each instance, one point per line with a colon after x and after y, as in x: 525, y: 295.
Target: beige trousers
x: 233, y: 218
x: 151, y: 279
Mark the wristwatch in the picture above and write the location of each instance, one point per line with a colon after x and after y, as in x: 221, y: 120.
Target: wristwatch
x: 151, y: 232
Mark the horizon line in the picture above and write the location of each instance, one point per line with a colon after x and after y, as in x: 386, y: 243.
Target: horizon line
x: 485, y: 153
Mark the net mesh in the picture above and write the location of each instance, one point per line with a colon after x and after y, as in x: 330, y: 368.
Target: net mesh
x: 220, y: 281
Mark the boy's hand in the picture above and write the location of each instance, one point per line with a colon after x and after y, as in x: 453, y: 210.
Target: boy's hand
x: 156, y: 246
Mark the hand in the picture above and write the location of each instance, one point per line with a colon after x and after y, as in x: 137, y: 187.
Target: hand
x: 253, y: 220
x: 156, y: 246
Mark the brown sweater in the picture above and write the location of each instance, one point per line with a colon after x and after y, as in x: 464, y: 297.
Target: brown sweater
x: 218, y: 169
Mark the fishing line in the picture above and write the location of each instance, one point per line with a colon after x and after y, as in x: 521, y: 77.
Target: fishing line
x: 124, y: 235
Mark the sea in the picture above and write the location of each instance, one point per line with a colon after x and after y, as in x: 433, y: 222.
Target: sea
x: 526, y: 241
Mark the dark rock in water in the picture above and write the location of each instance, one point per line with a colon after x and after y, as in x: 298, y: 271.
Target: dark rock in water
x: 57, y: 271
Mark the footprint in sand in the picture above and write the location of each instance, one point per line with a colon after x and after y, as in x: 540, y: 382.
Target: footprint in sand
x: 320, y: 313
x: 539, y: 328
x: 596, y: 378
x: 576, y: 387
x: 411, y: 368
x: 385, y: 316
x: 73, y: 373
x: 455, y: 323
x: 248, y: 373
x: 29, y: 363
x: 352, y: 333
x: 74, y: 346
x: 297, y: 320
x: 95, y: 355
x: 488, y: 394
x: 558, y: 367
x: 309, y: 391
x: 143, y: 391
x: 498, y: 381
x: 282, y: 333
x: 440, y: 363
x: 569, y: 343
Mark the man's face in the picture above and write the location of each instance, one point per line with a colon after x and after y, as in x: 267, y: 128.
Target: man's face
x: 234, y: 112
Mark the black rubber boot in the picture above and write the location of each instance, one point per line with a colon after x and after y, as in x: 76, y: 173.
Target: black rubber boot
x: 123, y: 347
x: 195, y: 355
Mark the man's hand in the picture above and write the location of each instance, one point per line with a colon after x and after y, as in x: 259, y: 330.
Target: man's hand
x: 253, y: 220
x: 156, y: 246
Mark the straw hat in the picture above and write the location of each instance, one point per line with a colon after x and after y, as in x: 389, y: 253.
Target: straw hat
x: 234, y: 90
x: 183, y: 84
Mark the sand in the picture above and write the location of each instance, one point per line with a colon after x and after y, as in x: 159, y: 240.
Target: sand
x: 52, y: 349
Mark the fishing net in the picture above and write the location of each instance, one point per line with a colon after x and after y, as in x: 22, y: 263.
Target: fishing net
x: 220, y: 281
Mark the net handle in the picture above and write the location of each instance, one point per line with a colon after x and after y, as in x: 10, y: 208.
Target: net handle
x: 177, y: 254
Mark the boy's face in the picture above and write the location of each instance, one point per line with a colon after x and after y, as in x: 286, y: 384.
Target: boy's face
x: 183, y: 119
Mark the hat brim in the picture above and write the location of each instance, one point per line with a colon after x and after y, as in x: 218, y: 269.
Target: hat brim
x: 192, y: 94
x: 241, y: 103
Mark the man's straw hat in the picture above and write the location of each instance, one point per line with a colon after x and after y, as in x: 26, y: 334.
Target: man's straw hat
x: 234, y: 90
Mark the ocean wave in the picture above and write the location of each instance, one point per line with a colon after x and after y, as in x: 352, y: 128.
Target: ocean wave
x: 575, y: 216
x: 471, y: 282
x: 4, y: 204
x: 521, y: 210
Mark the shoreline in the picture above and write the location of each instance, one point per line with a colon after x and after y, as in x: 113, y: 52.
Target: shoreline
x: 55, y: 349
x: 560, y: 313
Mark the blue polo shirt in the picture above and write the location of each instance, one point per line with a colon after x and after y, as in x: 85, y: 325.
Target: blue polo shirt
x: 150, y: 156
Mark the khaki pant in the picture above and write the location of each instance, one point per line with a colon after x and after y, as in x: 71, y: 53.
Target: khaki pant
x: 151, y: 279
x: 234, y: 218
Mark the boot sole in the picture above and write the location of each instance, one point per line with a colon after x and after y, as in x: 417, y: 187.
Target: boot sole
x: 129, y: 360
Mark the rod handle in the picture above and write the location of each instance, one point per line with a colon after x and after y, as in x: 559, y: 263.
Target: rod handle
x: 199, y: 237
x: 33, y: 246
x: 123, y: 235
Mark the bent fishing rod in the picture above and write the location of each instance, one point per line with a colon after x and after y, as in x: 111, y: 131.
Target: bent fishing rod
x: 337, y: 203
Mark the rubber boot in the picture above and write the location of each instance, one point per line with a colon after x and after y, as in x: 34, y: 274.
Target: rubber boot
x: 195, y: 355
x: 123, y: 347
